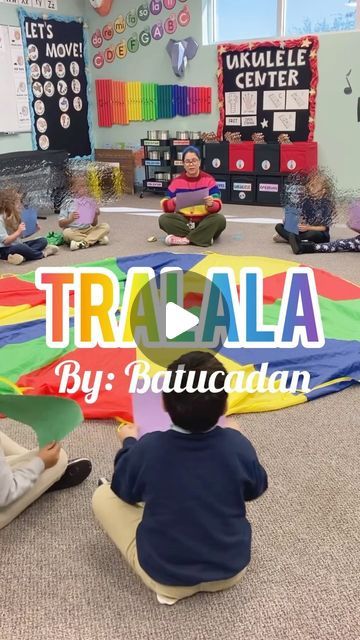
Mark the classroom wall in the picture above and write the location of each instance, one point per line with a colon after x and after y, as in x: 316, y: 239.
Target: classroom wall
x: 9, y: 16
x: 337, y: 130
x: 152, y: 64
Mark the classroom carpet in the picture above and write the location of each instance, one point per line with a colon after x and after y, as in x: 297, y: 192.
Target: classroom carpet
x: 62, y: 579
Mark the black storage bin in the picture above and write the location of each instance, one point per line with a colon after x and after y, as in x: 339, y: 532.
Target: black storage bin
x: 216, y: 156
x: 243, y: 189
x: 223, y: 182
x: 267, y: 158
x: 269, y: 190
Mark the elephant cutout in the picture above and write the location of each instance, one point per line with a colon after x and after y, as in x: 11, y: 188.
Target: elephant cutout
x: 180, y: 51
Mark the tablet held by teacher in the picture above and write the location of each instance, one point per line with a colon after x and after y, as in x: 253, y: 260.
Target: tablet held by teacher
x: 192, y: 205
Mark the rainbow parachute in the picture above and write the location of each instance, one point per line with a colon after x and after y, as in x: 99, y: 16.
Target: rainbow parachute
x: 26, y: 361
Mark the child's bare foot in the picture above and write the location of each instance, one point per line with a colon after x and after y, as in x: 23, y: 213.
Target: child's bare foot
x: 50, y: 250
x: 104, y: 240
x: 15, y: 258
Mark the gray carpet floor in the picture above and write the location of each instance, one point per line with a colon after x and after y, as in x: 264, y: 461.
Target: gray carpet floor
x: 62, y: 579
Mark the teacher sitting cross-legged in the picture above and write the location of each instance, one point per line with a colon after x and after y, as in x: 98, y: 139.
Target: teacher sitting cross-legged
x: 192, y: 205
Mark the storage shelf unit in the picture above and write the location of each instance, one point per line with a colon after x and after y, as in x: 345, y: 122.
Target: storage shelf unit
x: 249, y: 173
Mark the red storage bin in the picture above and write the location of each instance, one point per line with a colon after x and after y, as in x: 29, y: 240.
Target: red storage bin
x: 241, y: 157
x: 298, y: 156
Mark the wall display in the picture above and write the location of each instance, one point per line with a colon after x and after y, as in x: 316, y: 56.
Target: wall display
x: 348, y: 88
x: 110, y: 54
x: 170, y: 24
x: 50, y: 5
x: 102, y: 7
x: 268, y: 87
x: 134, y: 18
x: 143, y: 11
x: 59, y: 47
x: 157, y: 31
x: 98, y: 60
x: 348, y: 91
x: 121, y: 49
x: 15, y: 111
x: 122, y: 102
x: 180, y: 51
x: 155, y: 7
x: 120, y: 24
x: 184, y: 17
x: 133, y: 43
x: 145, y: 37
x: 108, y: 31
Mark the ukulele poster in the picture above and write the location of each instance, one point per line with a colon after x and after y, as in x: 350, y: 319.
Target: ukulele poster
x: 269, y: 87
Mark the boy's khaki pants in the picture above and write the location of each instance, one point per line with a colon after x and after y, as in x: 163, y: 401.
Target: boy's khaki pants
x: 90, y: 234
x: 16, y: 456
x: 120, y: 521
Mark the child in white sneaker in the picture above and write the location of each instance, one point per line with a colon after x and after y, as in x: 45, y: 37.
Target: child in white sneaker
x: 12, y: 247
x: 79, y: 218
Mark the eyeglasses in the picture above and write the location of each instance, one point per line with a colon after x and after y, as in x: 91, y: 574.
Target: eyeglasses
x: 195, y: 161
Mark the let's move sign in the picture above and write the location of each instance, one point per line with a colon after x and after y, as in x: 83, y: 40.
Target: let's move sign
x: 59, y: 85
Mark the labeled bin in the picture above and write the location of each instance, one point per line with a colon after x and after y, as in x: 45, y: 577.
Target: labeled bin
x: 223, y: 182
x: 243, y: 189
x: 267, y: 158
x: 269, y: 190
x: 241, y: 157
x: 216, y: 156
x: 298, y: 156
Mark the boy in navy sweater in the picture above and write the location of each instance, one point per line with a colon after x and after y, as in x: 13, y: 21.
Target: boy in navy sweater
x: 189, y: 533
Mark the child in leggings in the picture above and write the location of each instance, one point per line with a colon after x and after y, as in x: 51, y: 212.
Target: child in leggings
x: 12, y: 247
x: 348, y: 244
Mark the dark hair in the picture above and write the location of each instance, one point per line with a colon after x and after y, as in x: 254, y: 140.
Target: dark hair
x: 191, y: 149
x: 196, y: 411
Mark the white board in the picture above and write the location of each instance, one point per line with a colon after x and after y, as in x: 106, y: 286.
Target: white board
x: 14, y: 105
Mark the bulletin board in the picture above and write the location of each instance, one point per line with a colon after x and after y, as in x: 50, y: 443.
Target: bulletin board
x: 14, y: 104
x: 56, y: 70
x: 269, y: 88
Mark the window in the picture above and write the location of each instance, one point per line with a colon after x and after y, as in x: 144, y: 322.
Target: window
x: 231, y: 20
x: 251, y: 19
x: 308, y: 16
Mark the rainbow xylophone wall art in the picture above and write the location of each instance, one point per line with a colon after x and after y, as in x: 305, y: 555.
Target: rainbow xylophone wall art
x: 122, y: 102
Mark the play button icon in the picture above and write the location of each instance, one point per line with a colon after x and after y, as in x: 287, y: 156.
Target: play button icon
x: 178, y: 320
x: 166, y: 315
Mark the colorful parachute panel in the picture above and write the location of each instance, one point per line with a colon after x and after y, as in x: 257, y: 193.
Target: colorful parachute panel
x: 26, y: 360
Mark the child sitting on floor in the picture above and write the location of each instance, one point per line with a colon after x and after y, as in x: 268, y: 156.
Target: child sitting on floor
x: 12, y: 247
x: 316, y: 211
x: 345, y: 244
x: 192, y: 533
x: 79, y: 218
x: 25, y: 475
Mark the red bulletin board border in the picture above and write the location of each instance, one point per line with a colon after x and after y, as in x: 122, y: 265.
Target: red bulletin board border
x: 305, y: 41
